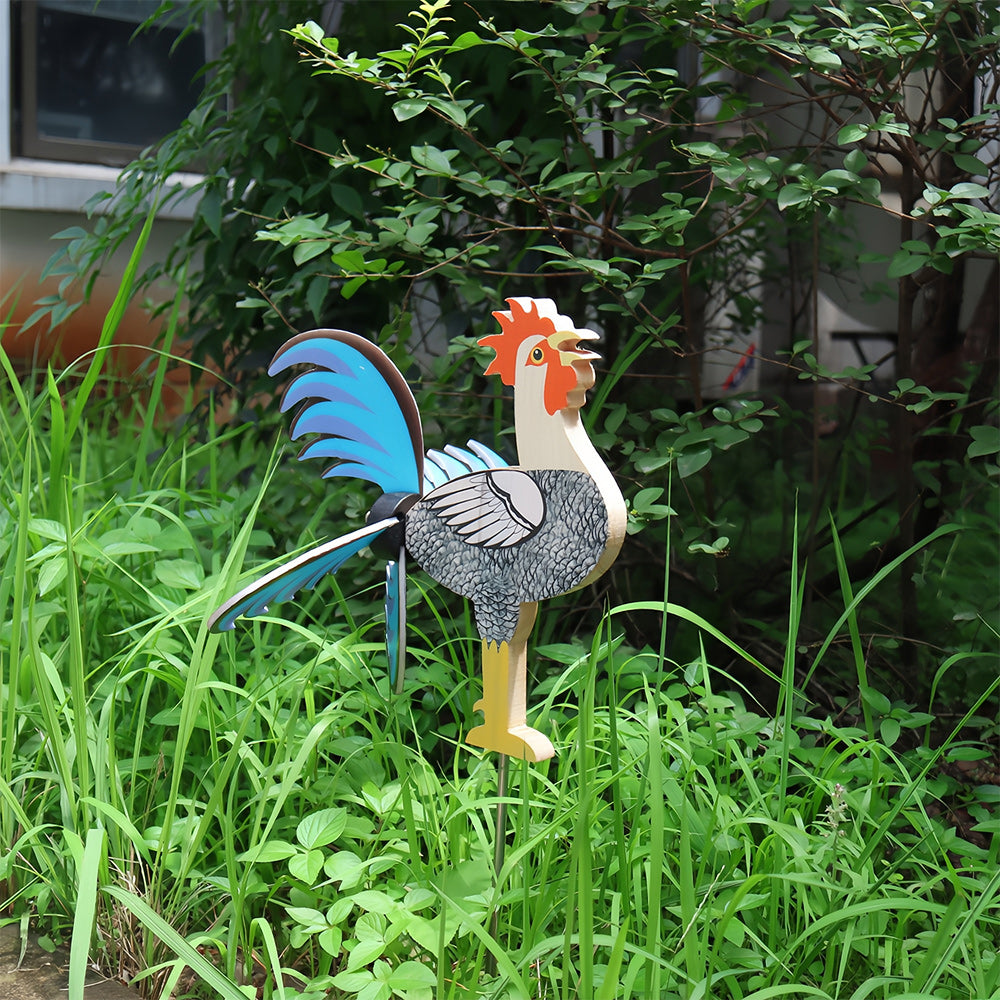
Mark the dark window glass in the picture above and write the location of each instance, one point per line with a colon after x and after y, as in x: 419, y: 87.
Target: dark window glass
x: 94, y: 90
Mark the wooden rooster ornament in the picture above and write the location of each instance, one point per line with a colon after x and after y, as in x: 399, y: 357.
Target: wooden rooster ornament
x: 505, y: 537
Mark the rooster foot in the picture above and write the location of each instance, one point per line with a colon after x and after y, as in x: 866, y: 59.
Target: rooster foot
x: 521, y: 742
x: 504, y: 729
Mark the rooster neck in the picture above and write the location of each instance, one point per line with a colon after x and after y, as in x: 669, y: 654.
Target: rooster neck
x: 551, y: 440
x: 559, y: 441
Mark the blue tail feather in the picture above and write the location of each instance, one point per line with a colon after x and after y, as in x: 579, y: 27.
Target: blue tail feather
x: 451, y: 466
x: 441, y: 467
x: 318, y: 385
x: 489, y: 458
x: 360, y: 406
x: 335, y: 420
x: 324, y: 351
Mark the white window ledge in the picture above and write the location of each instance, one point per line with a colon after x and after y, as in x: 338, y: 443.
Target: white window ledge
x: 52, y: 186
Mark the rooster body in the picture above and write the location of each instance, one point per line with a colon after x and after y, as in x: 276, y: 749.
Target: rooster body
x: 504, y: 537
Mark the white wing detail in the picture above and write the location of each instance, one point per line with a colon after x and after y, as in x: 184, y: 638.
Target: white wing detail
x: 494, y: 509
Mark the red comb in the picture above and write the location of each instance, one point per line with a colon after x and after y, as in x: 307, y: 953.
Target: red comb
x: 514, y: 327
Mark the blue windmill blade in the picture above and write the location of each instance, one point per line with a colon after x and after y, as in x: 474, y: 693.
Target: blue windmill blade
x: 358, y: 403
x: 395, y: 619
x: 302, y: 573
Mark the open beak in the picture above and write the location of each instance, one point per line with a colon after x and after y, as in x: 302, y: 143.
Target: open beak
x: 567, y: 344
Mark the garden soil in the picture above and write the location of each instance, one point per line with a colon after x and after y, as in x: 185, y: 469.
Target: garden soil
x: 40, y: 975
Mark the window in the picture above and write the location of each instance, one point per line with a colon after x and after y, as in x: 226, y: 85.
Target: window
x: 89, y: 89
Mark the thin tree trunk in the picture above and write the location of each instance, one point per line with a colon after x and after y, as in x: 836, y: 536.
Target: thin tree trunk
x: 905, y: 481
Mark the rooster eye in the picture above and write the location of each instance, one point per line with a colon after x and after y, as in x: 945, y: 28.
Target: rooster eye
x: 536, y: 354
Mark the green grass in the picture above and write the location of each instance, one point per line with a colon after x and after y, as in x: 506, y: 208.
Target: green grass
x: 203, y: 814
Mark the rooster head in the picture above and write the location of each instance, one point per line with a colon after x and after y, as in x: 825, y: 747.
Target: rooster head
x: 533, y: 336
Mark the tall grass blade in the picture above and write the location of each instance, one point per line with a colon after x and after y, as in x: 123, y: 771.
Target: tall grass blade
x: 152, y: 404
x: 889, y: 568
x: 222, y: 985
x: 952, y: 932
x: 608, y: 989
x: 657, y: 860
x: 699, y: 622
x: 88, y: 869
x: 112, y: 321
x: 77, y: 669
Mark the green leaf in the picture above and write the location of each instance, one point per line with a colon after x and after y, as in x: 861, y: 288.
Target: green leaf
x: 52, y: 573
x: 408, y: 108
x: 705, y: 150
x: 210, y: 209
x: 271, y: 850
x: 852, y: 133
x: 375, y: 991
x: 344, y: 867
x: 373, y: 901
x: 970, y: 164
x: 322, y: 828
x: 309, y: 31
x: 47, y: 528
x: 889, y: 731
x: 905, y: 262
x: 419, y: 234
x: 306, y: 865
x: 729, y: 173
x: 647, y: 496
x: 304, y: 252
x: 310, y: 919
x: 450, y: 109
x: 792, y: 194
x: 432, y: 158
x: 350, y: 287
x: 331, y: 940
x: 467, y: 40
x: 968, y: 189
x: 985, y: 441
x: 661, y: 266
x: 72, y: 233
x: 967, y: 752
x: 353, y: 982
x: 823, y: 58
x: 691, y: 462
x: 412, y: 975
x: 347, y: 199
x: 855, y: 161
x: 316, y: 295
x: 365, y: 952
x: 876, y: 701
x: 181, y: 573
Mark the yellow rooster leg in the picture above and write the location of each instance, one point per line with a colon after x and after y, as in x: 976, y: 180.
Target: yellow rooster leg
x: 503, y: 703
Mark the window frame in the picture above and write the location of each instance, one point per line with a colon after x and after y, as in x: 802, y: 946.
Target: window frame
x: 29, y: 141
x: 33, y: 184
